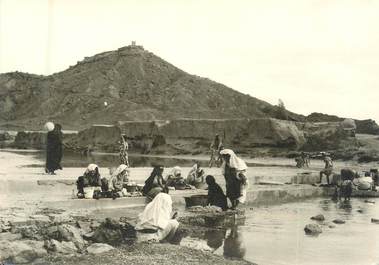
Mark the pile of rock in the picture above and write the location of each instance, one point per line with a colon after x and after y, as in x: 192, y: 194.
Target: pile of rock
x: 23, y: 240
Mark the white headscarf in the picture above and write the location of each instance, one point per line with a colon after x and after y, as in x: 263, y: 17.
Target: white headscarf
x: 120, y: 169
x: 235, y: 161
x: 91, y: 167
x: 157, y: 213
x: 176, y: 170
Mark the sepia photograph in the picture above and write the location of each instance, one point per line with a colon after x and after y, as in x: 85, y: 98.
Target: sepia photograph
x: 165, y: 132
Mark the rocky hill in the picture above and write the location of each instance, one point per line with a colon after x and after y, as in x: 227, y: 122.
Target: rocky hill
x: 135, y: 84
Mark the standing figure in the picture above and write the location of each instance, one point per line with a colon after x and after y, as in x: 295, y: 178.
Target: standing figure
x: 306, y: 159
x: 234, y: 169
x: 124, y: 159
x: 328, y: 170
x: 215, y: 149
x: 54, y: 150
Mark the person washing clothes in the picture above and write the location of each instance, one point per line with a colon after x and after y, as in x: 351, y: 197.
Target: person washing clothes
x: 154, y: 183
x: 216, y: 195
x: 196, y: 176
x: 234, y: 170
x: 90, y: 178
x: 157, y: 222
x: 118, y: 180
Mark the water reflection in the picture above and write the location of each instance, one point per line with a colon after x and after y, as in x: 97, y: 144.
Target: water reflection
x: 71, y: 159
x: 234, y: 246
x: 215, y: 238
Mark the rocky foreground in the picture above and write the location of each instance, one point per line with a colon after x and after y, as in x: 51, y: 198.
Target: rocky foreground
x: 53, y: 236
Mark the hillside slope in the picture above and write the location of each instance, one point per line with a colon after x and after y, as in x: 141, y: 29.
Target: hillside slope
x: 136, y: 84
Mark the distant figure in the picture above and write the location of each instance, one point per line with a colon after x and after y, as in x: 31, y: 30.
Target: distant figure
x: 196, y: 176
x: 124, y: 159
x: 215, y: 149
x: 155, y: 183
x: 54, y: 150
x: 234, y: 169
x: 328, y: 170
x: 216, y: 195
x: 302, y: 160
x: 306, y: 159
x: 157, y: 222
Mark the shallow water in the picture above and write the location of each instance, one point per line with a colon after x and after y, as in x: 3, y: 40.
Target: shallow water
x: 275, y: 235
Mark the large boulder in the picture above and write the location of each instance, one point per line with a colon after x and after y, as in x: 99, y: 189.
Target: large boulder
x: 99, y: 248
x: 21, y: 252
x: 66, y: 232
x: 60, y: 247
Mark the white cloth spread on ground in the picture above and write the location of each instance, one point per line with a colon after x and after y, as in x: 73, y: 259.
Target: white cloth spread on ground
x: 240, y: 166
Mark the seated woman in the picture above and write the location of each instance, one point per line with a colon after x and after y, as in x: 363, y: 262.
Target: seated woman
x: 195, y: 176
x: 157, y: 222
x: 175, y: 179
x: 90, y: 178
x: 119, y: 179
x: 155, y: 183
x: 216, y: 195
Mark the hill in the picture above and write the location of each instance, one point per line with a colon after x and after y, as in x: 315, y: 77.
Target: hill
x: 135, y: 83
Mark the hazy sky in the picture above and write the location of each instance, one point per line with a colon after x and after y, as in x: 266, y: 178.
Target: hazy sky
x: 316, y: 55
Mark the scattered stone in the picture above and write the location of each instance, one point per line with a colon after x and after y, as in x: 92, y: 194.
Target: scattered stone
x: 312, y: 229
x: 113, y: 232
x: 30, y: 232
x: 374, y: 220
x: 22, y: 252
x: 7, y: 236
x: 60, y: 218
x: 85, y: 226
x: 99, y: 248
x: 338, y: 221
x: 70, y: 233
x: 40, y: 219
x: 360, y: 211
x: 369, y: 201
x: 60, y: 247
x: 318, y: 217
x: 331, y: 226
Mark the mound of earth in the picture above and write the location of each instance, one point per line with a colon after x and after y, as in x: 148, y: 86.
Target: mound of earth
x: 126, y: 84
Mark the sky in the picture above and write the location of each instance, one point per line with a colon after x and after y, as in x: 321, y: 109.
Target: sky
x: 315, y: 55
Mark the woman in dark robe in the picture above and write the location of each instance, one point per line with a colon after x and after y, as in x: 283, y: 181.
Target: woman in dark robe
x: 234, y: 170
x: 54, y: 150
x: 155, y: 183
x: 216, y: 196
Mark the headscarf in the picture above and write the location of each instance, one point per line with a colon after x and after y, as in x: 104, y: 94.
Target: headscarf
x: 119, y: 170
x: 234, y: 161
x: 91, y: 167
x: 175, y: 171
x: 157, y: 213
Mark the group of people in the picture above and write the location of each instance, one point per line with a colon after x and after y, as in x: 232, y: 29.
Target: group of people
x: 348, y: 179
x: 102, y: 187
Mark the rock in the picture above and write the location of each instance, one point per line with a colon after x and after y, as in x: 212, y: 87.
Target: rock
x: 30, y: 232
x: 7, y: 236
x: 318, y: 217
x: 61, y: 247
x: 312, y: 229
x: 113, y: 232
x: 369, y: 201
x: 60, y: 218
x: 84, y: 226
x: 374, y: 220
x: 99, y: 248
x: 67, y: 232
x: 40, y: 219
x: 360, y: 211
x: 22, y: 252
x: 338, y: 221
x: 331, y: 226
